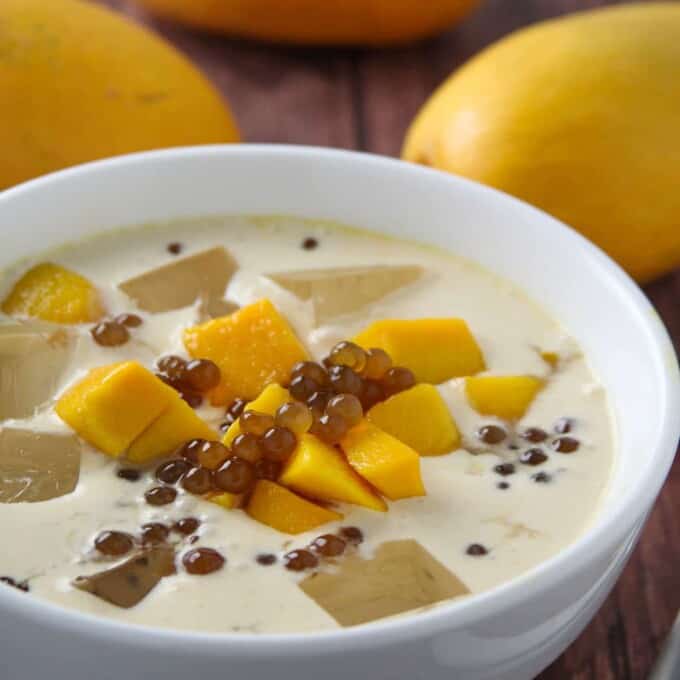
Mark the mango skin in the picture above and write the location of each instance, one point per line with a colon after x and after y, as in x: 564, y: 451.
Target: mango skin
x: 79, y: 82
x: 578, y: 116
x: 504, y: 396
x: 311, y: 22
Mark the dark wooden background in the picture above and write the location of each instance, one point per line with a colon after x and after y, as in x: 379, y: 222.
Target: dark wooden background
x: 365, y: 100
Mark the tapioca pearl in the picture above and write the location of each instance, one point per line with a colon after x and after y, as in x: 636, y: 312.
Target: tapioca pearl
x: 235, y: 476
x: 253, y: 422
x: 565, y: 444
x: 352, y: 535
x: 476, y: 550
x: 110, y: 334
x: 328, y: 545
x: 533, y: 457
x: 114, y: 543
x: 197, y: 481
x: 203, y: 561
x: 160, y: 495
x: 300, y: 560
x: 535, y: 435
x: 541, y: 478
x: 172, y: 471
x: 491, y: 434
x: 504, y: 469
x: 154, y: 533
x: 564, y: 425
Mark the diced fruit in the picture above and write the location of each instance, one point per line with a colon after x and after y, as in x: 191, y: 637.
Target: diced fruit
x: 504, y: 396
x: 281, y: 509
x: 551, y: 358
x: 434, y: 349
x: 54, y: 293
x: 253, y: 347
x: 176, y: 425
x: 270, y: 400
x: 321, y: 471
x: 389, y: 465
x: 419, y: 418
x: 114, y: 404
x: 229, y: 501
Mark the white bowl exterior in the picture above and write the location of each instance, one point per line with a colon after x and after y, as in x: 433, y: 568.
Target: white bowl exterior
x: 510, y: 632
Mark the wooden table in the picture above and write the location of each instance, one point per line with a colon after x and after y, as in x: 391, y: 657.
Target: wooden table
x: 365, y: 100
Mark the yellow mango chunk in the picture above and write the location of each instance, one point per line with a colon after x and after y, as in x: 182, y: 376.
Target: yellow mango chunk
x: 114, y: 404
x: 434, y: 349
x: 281, y: 509
x: 321, y: 471
x: 176, y: 425
x: 420, y: 418
x: 551, y: 358
x: 53, y: 293
x: 229, y: 501
x: 389, y: 465
x: 253, y: 347
x: 504, y: 396
x: 272, y: 397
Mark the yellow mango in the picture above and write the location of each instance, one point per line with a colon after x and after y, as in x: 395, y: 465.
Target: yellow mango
x: 253, y: 347
x: 434, y: 349
x: 281, y: 509
x: 321, y: 471
x: 229, y: 501
x: 54, y: 293
x: 504, y: 396
x: 389, y: 465
x: 175, y: 426
x: 114, y: 404
x: 419, y: 418
x: 551, y: 358
x: 272, y: 397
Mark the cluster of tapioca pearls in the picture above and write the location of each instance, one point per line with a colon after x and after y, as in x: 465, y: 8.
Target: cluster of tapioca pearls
x: 191, y: 378
x: 115, y: 332
x: 533, y: 456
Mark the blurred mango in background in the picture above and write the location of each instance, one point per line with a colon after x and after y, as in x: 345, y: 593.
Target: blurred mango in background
x: 318, y: 22
x: 78, y: 83
x: 579, y: 116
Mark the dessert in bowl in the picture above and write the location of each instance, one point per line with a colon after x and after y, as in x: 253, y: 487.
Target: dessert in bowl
x: 236, y: 428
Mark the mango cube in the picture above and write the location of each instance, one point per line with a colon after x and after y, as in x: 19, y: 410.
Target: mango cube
x: 435, y: 350
x: 253, y: 347
x: 504, y: 396
x: 229, y: 501
x: 551, y: 358
x: 270, y: 400
x: 321, y: 471
x: 419, y: 418
x: 176, y: 425
x: 114, y: 404
x: 281, y: 509
x: 389, y: 465
x: 54, y: 293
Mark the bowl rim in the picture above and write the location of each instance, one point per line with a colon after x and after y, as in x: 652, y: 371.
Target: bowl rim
x: 596, y: 541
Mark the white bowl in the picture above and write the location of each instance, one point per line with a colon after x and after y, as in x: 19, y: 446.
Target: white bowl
x: 512, y: 631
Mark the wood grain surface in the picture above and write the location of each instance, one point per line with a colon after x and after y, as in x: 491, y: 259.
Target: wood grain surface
x: 359, y: 99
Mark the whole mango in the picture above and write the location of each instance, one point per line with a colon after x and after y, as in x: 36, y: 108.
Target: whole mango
x: 579, y: 116
x: 318, y: 22
x: 78, y: 83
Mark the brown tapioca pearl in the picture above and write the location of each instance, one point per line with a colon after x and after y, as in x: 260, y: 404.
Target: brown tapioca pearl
x: 190, y: 449
x: 202, y: 561
x: 202, y: 375
x: 266, y: 559
x: 565, y: 444
x: 212, y: 454
x: 194, y: 399
x: 310, y: 243
x: 397, y: 380
x: 348, y: 354
x: 345, y: 381
x: 174, y: 248
x: 154, y: 533
x: 247, y: 447
x: 371, y: 394
x: 564, y: 425
x: 476, y: 550
x: 312, y: 370
x: 503, y: 486
x: 378, y: 362
x: 317, y: 403
x: 186, y: 526
x: 347, y: 407
x: 236, y: 408
x: 352, y: 535
x: 328, y: 545
x: 172, y: 471
x: 110, y: 334
x: 513, y: 447
x: 114, y: 543
x: 277, y: 443
x: 252, y: 422
x: 197, y: 481
x: 129, y: 474
x: 301, y: 387
x: 535, y: 435
x: 19, y: 585
x: 267, y: 469
x: 491, y: 434
x: 224, y: 425
x: 541, y: 478
x: 330, y: 428
x: 504, y: 469
x: 533, y: 457
x: 299, y: 560
x: 295, y: 417
x: 172, y: 366
x: 160, y: 495
x: 235, y: 476
x: 129, y: 320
